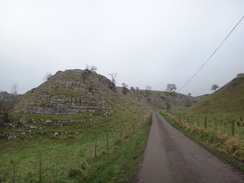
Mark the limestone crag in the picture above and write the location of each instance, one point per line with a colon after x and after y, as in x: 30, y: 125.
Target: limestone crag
x: 71, y: 92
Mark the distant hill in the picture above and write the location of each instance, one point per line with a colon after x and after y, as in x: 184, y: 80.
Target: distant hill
x: 228, y: 99
x: 76, y: 92
x: 159, y: 99
x: 5, y: 96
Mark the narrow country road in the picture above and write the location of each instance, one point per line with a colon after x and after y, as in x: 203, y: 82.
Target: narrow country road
x: 171, y: 157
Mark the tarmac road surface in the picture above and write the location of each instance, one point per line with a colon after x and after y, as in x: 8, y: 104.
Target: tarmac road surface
x: 171, y: 157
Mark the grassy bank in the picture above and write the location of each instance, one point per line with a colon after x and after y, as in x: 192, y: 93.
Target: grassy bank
x: 103, y: 149
x: 121, y: 163
x: 228, y: 147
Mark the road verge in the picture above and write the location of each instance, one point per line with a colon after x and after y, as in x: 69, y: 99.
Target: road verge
x: 208, y: 140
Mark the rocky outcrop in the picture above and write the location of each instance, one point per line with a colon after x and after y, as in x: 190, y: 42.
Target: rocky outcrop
x: 69, y: 92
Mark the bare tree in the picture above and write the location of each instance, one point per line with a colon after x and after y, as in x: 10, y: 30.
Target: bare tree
x: 214, y: 87
x: 189, y: 94
x: 138, y: 93
x: 15, y: 89
x: 91, y: 68
x: 171, y: 87
x: 124, y: 88
x: 113, y: 77
x: 148, y: 90
x: 48, y: 75
x: 124, y: 85
x: 133, y: 89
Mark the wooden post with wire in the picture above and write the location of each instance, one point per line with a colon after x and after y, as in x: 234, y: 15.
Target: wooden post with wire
x: 40, y: 168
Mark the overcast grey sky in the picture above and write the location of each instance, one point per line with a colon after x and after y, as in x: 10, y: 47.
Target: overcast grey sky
x: 147, y: 42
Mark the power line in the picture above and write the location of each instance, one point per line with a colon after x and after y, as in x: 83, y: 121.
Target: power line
x: 211, y: 55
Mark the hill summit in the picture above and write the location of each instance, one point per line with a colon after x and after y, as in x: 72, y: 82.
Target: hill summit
x: 69, y: 92
x: 228, y: 99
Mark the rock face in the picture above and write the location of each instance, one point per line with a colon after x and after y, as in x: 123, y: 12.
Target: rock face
x: 69, y: 92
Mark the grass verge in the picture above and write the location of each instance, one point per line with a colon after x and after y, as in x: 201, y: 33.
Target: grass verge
x: 70, y: 158
x: 120, y: 164
x: 209, y: 140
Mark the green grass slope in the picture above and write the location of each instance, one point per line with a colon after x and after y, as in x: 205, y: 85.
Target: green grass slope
x: 79, y: 123
x: 218, y: 119
x: 228, y: 99
x: 159, y: 99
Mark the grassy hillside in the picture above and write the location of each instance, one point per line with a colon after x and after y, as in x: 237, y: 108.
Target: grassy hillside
x: 228, y: 99
x: 218, y: 119
x: 71, y: 127
x: 159, y: 99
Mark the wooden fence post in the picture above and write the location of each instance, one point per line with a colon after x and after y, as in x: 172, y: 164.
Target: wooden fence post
x: 179, y: 118
x: 133, y: 127
x: 205, y: 122
x: 197, y: 121
x: 90, y: 150
x: 121, y: 133
x: 216, y: 125
x: 14, y: 171
x: 40, y: 168
x: 95, y: 151
x: 107, y: 137
x: 233, y: 128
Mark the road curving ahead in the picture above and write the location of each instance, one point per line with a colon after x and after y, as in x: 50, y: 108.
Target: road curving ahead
x: 172, y: 157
